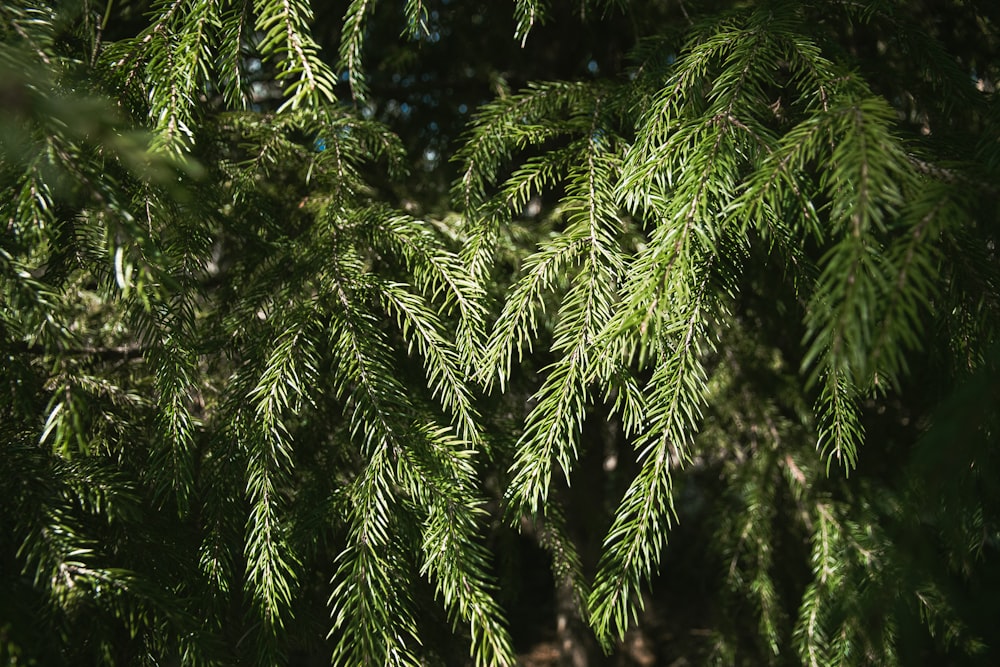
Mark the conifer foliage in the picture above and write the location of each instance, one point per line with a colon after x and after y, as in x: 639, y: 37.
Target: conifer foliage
x: 254, y: 410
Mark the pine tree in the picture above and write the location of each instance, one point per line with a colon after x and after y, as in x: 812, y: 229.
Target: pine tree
x: 255, y: 409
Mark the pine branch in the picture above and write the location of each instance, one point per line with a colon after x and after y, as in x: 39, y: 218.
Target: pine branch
x: 119, y: 353
x: 308, y: 80
x: 351, y: 42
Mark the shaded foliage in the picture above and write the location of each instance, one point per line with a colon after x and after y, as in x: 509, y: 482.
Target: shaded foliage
x: 713, y: 295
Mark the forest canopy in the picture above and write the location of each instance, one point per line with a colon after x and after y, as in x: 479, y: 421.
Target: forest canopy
x: 547, y: 333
